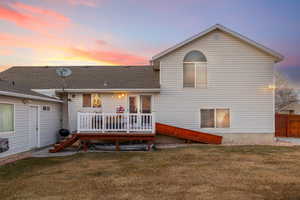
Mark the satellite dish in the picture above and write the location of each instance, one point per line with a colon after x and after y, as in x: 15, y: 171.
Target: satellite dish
x: 63, y: 72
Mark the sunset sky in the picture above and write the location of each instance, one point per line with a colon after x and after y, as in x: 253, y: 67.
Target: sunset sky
x: 130, y: 32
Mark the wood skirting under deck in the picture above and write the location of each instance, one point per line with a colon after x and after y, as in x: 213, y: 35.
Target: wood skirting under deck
x: 116, y: 137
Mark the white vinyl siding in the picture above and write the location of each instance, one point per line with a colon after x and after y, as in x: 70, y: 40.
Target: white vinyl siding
x: 50, y: 123
x: 238, y: 76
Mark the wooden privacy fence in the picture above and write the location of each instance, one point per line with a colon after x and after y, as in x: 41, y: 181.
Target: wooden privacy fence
x: 287, y: 125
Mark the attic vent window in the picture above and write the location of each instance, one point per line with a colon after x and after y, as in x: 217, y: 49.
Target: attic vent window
x: 216, y: 36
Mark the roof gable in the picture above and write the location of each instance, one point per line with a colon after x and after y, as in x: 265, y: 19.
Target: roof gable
x: 278, y: 57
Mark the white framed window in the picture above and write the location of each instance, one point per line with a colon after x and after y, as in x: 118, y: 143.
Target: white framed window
x: 96, y: 101
x: 215, y: 118
x: 222, y: 118
x: 92, y: 100
x: 46, y: 108
x: 207, y: 117
x: 194, y: 70
x: 7, y: 117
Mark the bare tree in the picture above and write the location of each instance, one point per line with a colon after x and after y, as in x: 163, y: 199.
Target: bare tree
x: 284, y: 94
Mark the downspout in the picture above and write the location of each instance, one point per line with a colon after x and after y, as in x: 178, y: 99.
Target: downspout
x: 65, y: 111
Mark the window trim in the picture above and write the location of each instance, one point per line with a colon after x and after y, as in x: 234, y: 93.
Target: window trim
x: 48, y: 108
x: 215, y: 117
x: 101, y: 99
x: 82, y: 99
x: 195, y: 74
x: 138, y: 96
x: 91, y: 100
x: 14, y: 118
x: 208, y: 108
x: 228, y: 118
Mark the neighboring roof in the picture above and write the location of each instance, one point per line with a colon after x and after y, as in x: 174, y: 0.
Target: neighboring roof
x: 269, y: 51
x: 289, y: 105
x: 9, y: 88
x: 84, y: 77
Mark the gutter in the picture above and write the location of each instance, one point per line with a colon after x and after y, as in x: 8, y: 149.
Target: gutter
x: 27, y: 96
x: 156, y: 90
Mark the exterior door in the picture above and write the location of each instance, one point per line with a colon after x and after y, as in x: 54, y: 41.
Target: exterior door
x: 133, y: 104
x: 145, y: 103
x: 33, y: 127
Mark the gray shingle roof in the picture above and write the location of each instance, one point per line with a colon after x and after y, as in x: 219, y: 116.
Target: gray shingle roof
x: 11, y: 87
x: 84, y: 77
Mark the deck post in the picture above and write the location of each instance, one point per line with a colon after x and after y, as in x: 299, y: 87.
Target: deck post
x: 128, y: 122
x: 153, y: 123
x: 103, y: 122
x: 85, y: 146
x: 117, y: 145
x: 78, y: 122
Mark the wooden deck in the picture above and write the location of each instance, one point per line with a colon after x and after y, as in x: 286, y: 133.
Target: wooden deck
x: 118, y: 137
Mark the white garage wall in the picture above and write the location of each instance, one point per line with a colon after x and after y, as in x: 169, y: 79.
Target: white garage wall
x: 50, y: 123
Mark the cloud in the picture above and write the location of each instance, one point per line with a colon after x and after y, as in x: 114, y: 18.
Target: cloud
x: 4, y: 67
x: 48, y: 45
x: 6, y: 52
x: 113, y: 57
x: 89, y: 3
x: 101, y: 42
x: 33, y: 18
x: 56, y: 51
x: 42, y: 12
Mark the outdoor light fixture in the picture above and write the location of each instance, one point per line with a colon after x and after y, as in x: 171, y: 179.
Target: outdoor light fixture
x: 121, y: 95
x: 273, y: 87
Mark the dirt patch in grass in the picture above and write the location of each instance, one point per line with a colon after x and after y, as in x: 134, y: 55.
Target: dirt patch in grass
x: 204, y: 172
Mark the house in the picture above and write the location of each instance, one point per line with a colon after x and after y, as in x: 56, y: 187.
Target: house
x: 27, y: 119
x: 217, y: 81
x: 292, y: 108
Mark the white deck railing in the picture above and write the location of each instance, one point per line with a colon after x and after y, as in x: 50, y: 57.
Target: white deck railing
x: 115, y: 122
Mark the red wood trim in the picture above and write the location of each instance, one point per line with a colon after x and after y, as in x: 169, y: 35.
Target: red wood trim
x: 188, y: 134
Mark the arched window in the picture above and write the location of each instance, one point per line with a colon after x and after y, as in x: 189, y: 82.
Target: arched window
x: 194, y: 70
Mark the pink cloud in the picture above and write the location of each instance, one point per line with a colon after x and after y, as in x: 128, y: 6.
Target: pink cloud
x: 40, y: 11
x: 4, y: 67
x: 101, y: 42
x: 33, y: 18
x: 90, y: 3
x: 6, y: 52
x: 114, y: 57
x: 48, y: 46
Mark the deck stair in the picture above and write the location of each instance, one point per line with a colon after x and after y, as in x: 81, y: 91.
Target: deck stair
x: 68, y: 141
x: 187, y: 134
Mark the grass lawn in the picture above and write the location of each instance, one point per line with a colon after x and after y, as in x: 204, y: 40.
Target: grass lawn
x: 202, y: 172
